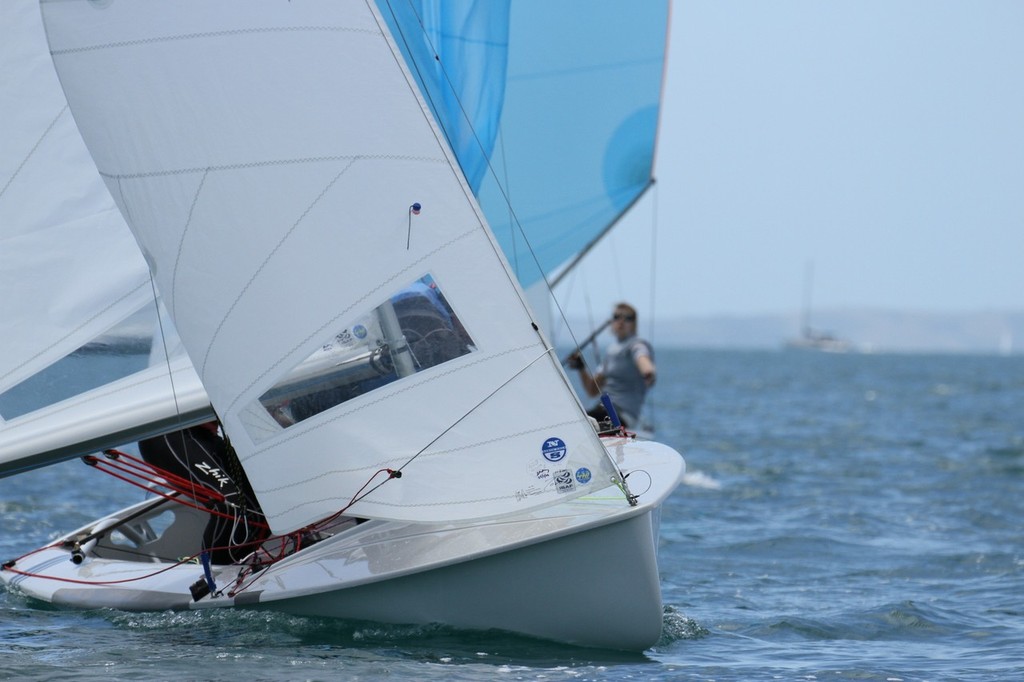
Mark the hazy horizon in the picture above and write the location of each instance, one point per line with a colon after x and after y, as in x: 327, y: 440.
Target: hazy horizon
x: 864, y: 329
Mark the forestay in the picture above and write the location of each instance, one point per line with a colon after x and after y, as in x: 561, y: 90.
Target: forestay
x: 458, y: 54
x: 292, y: 194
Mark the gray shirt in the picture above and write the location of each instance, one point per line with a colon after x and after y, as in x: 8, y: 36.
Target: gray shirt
x: 622, y: 379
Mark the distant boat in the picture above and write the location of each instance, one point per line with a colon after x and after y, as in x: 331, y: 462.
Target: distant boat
x: 1006, y: 343
x: 819, y: 341
x: 810, y: 338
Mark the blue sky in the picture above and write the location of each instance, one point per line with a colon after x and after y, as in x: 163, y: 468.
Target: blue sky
x: 882, y: 141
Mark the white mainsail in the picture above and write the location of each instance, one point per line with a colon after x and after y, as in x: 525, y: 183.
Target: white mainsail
x: 267, y: 157
x: 61, y: 290
x: 71, y: 273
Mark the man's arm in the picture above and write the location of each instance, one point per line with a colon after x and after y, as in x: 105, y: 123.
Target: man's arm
x: 645, y: 364
x: 591, y: 382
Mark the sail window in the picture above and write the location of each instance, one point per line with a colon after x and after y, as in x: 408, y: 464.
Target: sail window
x: 414, y: 330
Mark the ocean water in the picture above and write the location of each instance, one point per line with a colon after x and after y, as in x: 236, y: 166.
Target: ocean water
x: 845, y: 517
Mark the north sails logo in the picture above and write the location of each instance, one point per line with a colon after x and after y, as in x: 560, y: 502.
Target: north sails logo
x: 553, y: 449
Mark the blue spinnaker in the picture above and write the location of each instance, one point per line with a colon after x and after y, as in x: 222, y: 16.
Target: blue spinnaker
x: 551, y: 107
x: 458, y: 52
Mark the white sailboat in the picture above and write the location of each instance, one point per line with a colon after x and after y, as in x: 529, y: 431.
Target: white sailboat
x: 810, y: 338
x: 414, y: 445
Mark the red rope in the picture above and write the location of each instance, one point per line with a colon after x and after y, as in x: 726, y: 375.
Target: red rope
x: 151, y: 475
x: 136, y: 465
x: 97, y: 582
x: 296, y: 536
x: 202, y: 494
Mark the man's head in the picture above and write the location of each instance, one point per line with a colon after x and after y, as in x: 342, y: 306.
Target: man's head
x: 624, y: 320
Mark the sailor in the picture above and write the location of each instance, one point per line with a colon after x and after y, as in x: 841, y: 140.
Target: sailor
x: 625, y: 373
x: 202, y: 456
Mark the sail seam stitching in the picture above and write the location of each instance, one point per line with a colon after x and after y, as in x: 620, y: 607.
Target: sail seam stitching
x: 32, y: 151
x: 334, y: 320
x: 98, y: 394
x: 264, y: 164
x: 210, y: 34
x: 388, y: 396
x: 447, y: 503
x: 389, y: 462
x: 181, y: 245
x: 98, y: 314
x: 269, y: 256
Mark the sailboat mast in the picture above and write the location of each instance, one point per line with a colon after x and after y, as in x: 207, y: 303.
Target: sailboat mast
x: 401, y: 354
x: 805, y: 326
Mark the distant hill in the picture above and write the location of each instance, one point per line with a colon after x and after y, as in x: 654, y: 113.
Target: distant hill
x: 868, y: 330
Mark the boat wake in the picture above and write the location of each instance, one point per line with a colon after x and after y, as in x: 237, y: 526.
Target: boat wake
x: 677, y: 626
x: 265, y: 629
x: 698, y: 479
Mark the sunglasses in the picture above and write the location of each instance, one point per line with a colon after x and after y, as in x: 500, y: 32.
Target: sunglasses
x: 625, y: 317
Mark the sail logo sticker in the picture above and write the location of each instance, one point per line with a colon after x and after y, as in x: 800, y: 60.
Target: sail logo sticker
x: 553, y: 449
x: 359, y: 331
x: 563, y: 481
x: 583, y: 475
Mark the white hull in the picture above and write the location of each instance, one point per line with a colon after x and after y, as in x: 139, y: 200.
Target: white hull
x: 824, y: 345
x: 582, y: 572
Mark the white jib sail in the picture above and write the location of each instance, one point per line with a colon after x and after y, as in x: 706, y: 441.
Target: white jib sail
x: 325, y: 264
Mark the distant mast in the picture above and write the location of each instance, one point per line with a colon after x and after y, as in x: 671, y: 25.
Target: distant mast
x: 1006, y: 343
x: 805, y: 323
x: 809, y: 338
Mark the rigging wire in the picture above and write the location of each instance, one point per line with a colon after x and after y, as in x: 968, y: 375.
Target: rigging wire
x: 531, y: 363
x: 170, y: 377
x: 502, y: 188
x: 504, y: 191
x: 508, y: 190
x: 652, y: 402
x: 514, y: 220
x: 250, y: 571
